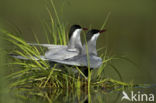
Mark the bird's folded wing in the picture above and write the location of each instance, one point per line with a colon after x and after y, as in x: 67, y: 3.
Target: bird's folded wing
x: 28, y: 57
x: 73, y: 63
x: 60, y: 54
x: 94, y: 62
x: 49, y: 46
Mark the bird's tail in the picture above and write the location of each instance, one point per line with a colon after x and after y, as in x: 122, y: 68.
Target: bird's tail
x: 49, y: 46
x: 28, y: 57
x: 42, y: 45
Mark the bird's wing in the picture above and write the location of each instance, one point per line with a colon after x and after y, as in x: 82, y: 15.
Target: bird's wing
x: 60, y: 54
x: 49, y: 46
x: 73, y: 63
x: 28, y: 57
x: 81, y: 61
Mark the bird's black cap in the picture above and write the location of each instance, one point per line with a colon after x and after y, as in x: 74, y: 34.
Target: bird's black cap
x: 72, y: 29
x: 91, y: 33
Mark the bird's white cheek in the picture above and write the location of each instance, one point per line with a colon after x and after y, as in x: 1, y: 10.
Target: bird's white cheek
x: 95, y: 37
x: 76, y: 33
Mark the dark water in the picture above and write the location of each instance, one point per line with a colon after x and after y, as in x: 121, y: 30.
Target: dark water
x: 131, y: 31
x: 82, y: 96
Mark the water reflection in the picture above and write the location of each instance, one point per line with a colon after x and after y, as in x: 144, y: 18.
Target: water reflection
x: 73, y: 96
x: 49, y: 95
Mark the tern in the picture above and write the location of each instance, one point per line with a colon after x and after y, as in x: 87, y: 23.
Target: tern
x: 86, y: 57
x: 61, y: 52
x: 72, y: 49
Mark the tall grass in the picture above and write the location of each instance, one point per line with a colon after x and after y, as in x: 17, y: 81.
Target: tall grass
x: 41, y: 71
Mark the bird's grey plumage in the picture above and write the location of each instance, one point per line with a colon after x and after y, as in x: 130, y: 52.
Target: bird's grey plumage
x: 62, y: 52
x: 66, y: 52
x: 49, y: 46
x: 91, y: 46
x: 28, y: 57
x: 54, y: 51
x: 89, y: 58
x: 82, y: 60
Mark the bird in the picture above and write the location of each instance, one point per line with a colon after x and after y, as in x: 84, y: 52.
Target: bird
x: 72, y: 49
x: 86, y: 57
x: 61, y: 52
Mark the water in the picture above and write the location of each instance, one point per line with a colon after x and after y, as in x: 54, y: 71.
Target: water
x: 76, y: 96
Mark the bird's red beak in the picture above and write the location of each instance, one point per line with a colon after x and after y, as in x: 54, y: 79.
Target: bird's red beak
x: 102, y: 31
x: 85, y: 28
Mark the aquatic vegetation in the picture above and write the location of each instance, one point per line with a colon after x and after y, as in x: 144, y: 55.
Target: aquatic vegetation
x: 34, y: 73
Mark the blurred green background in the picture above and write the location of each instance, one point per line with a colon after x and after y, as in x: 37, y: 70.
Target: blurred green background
x: 131, y: 28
